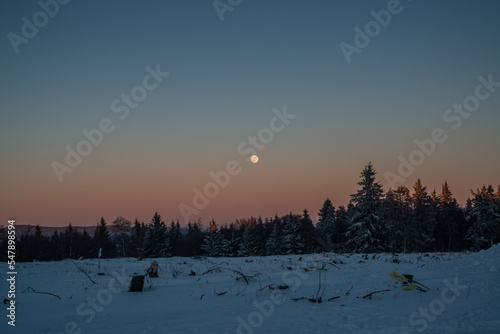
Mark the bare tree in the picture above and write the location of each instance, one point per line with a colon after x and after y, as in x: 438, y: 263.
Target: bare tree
x: 121, y: 226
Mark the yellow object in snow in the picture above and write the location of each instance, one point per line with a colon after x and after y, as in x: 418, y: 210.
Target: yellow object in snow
x: 400, y: 278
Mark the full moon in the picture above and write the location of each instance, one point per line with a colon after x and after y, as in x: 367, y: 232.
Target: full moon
x: 254, y: 159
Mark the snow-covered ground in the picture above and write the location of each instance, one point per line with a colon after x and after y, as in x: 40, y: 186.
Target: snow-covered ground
x: 210, y: 295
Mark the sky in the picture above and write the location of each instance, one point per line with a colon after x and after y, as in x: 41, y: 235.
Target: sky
x: 174, y: 92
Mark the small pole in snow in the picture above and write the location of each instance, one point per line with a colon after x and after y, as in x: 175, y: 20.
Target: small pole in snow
x: 99, y: 256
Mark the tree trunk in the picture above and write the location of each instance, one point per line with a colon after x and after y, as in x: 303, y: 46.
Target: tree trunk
x: 123, y: 245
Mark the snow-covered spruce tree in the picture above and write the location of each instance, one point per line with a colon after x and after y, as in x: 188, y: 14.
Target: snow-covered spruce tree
x: 232, y: 244
x: 308, y: 232
x: 292, y: 240
x: 32, y: 245
x: 260, y: 238
x: 339, y: 228
x: 367, y: 232
x: 56, y: 249
x: 194, y: 238
x: 214, y: 243
x: 397, y: 211
x: 423, y: 220
x: 175, y: 238
x: 84, y: 244
x: 483, y: 216
x: 450, y: 226
x: 102, y: 241
x: 41, y: 245
x: 156, y: 243
x: 138, y: 235
x: 273, y: 243
x: 326, y: 220
x: 249, y: 245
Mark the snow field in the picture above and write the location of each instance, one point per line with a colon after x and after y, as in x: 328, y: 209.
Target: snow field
x: 210, y: 295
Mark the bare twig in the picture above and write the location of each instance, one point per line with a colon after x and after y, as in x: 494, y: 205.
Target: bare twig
x: 217, y: 269
x: 45, y: 293
x: 333, y: 298
x: 83, y: 271
x: 319, y: 285
x: 242, y: 291
x: 295, y: 299
x: 332, y: 263
x: 371, y: 293
x: 245, y: 277
x: 237, y: 271
x: 421, y: 285
x: 112, y: 277
x: 175, y: 271
x: 270, y: 286
x: 219, y: 293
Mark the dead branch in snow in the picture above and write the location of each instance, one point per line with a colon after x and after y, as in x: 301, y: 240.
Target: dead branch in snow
x: 83, y: 271
x: 219, y: 293
x: 238, y: 271
x: 270, y: 286
x: 45, y: 293
x: 300, y: 298
x: 421, y: 285
x: 371, y: 293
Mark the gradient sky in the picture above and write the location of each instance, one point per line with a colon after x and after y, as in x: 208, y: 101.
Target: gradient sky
x: 225, y: 79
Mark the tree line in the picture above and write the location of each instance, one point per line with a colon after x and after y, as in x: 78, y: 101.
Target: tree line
x: 399, y: 220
